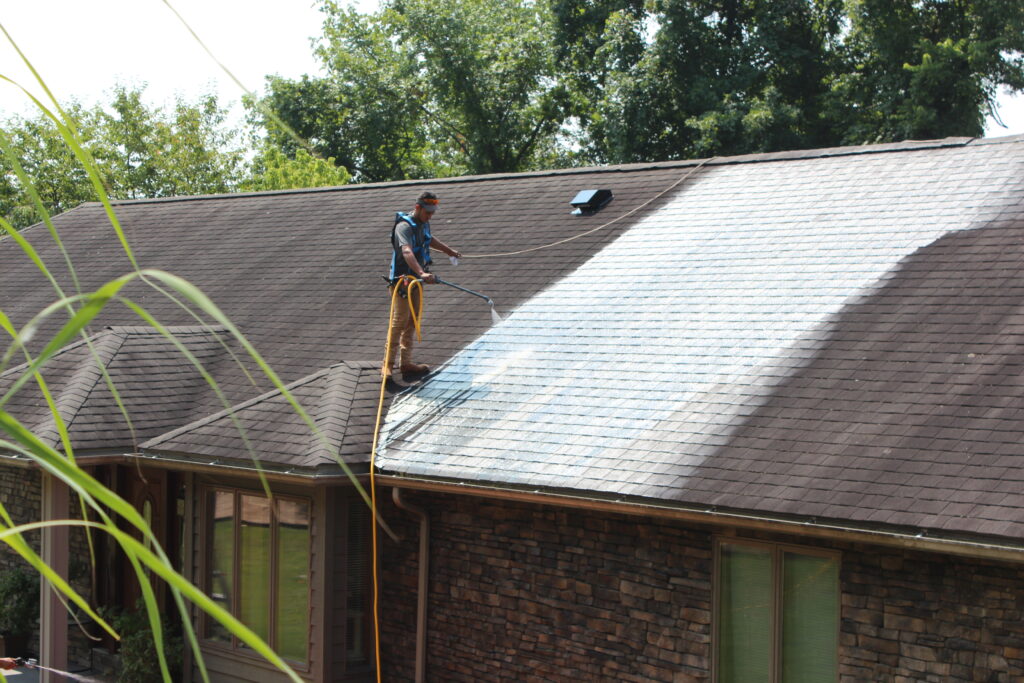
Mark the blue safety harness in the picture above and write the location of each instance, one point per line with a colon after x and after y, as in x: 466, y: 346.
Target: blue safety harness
x: 420, y: 247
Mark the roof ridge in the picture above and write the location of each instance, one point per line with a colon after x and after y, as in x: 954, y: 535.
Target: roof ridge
x: 87, y: 375
x: 235, y: 408
x: 337, y: 403
x: 788, y: 155
x: 174, y: 329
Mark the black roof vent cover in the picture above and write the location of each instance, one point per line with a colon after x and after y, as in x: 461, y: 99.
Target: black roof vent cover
x: 590, y: 201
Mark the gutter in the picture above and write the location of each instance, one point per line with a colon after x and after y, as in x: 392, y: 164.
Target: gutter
x: 908, y: 540
x: 214, y: 465
x: 963, y: 547
x: 422, y: 583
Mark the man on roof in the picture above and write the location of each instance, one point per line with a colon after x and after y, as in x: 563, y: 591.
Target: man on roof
x: 411, y: 242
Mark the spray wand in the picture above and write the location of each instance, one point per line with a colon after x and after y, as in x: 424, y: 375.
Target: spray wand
x: 495, y: 318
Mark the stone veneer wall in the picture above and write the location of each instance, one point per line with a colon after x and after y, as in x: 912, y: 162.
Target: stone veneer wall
x: 909, y: 617
x: 532, y: 593
x: 21, y: 493
x: 526, y: 593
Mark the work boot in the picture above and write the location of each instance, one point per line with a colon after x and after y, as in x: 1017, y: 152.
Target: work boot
x: 414, y: 368
x: 385, y: 372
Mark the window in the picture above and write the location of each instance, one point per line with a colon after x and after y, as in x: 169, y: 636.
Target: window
x: 777, y: 614
x: 258, y: 555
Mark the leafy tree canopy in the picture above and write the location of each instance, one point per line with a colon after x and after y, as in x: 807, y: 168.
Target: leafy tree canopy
x: 275, y: 170
x: 686, y: 78
x: 143, y: 151
x: 139, y: 151
x: 432, y: 87
x: 428, y: 88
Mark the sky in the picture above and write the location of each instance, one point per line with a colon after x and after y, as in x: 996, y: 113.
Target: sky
x: 83, y: 48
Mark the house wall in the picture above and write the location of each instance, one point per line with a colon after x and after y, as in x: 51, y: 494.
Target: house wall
x: 521, y: 592
x: 529, y: 593
x: 21, y: 493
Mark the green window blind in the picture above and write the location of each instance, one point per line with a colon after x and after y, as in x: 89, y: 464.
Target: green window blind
x: 293, y: 579
x: 254, y: 568
x: 745, y: 629
x: 778, y: 615
x: 810, y: 612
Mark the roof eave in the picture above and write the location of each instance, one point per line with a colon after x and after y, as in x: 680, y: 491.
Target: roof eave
x: 979, y: 547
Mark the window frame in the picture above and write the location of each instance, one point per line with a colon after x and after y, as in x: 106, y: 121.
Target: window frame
x: 777, y: 551
x: 205, y: 566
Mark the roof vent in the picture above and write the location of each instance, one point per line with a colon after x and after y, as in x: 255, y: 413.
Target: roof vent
x: 590, y: 201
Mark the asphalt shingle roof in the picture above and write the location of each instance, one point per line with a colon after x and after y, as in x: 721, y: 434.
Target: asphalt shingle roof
x: 820, y: 336
x: 831, y: 334
x: 299, y: 273
x: 157, y: 385
x: 341, y: 401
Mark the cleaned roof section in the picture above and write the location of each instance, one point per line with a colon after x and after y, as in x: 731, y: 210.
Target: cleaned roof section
x: 834, y: 337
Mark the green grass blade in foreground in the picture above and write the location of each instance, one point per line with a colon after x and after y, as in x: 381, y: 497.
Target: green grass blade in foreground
x: 94, y: 303
x: 204, y: 602
x: 70, y: 136
x: 196, y: 296
x: 20, y: 546
x: 30, y: 187
x: 92, y: 492
x: 31, y: 253
x: 80, y: 482
x: 25, y: 335
x: 212, y: 383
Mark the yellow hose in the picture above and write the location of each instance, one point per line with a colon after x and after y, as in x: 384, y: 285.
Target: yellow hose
x: 409, y: 282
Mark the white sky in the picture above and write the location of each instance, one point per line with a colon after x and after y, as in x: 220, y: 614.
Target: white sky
x: 82, y: 48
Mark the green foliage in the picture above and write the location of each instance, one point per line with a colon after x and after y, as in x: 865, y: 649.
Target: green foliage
x: 139, y: 662
x: 60, y: 180
x: 926, y: 69
x: 19, y: 601
x: 685, y: 78
x: 427, y: 88
x: 149, y: 152
x: 274, y: 170
x: 139, y: 151
x: 431, y: 88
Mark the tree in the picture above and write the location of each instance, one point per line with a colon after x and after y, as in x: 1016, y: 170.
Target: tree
x: 139, y: 151
x: 689, y: 78
x: 149, y: 152
x: 59, y: 179
x: 724, y: 77
x: 430, y: 88
x: 927, y: 68
x: 274, y: 170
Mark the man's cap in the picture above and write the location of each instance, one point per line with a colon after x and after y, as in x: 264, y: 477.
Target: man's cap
x: 429, y: 202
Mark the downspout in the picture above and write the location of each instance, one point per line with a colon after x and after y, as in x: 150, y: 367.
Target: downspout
x: 424, y: 573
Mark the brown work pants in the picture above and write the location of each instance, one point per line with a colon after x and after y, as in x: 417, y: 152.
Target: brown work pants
x: 402, y: 332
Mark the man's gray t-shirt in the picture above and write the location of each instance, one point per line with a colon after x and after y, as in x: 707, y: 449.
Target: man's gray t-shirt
x: 405, y: 235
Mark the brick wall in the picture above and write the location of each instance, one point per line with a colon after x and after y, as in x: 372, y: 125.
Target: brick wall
x: 921, y: 617
x: 21, y: 494
x: 530, y: 593
x: 525, y: 593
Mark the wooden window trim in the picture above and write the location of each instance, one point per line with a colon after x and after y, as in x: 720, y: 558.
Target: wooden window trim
x: 777, y: 550
x: 233, y: 648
